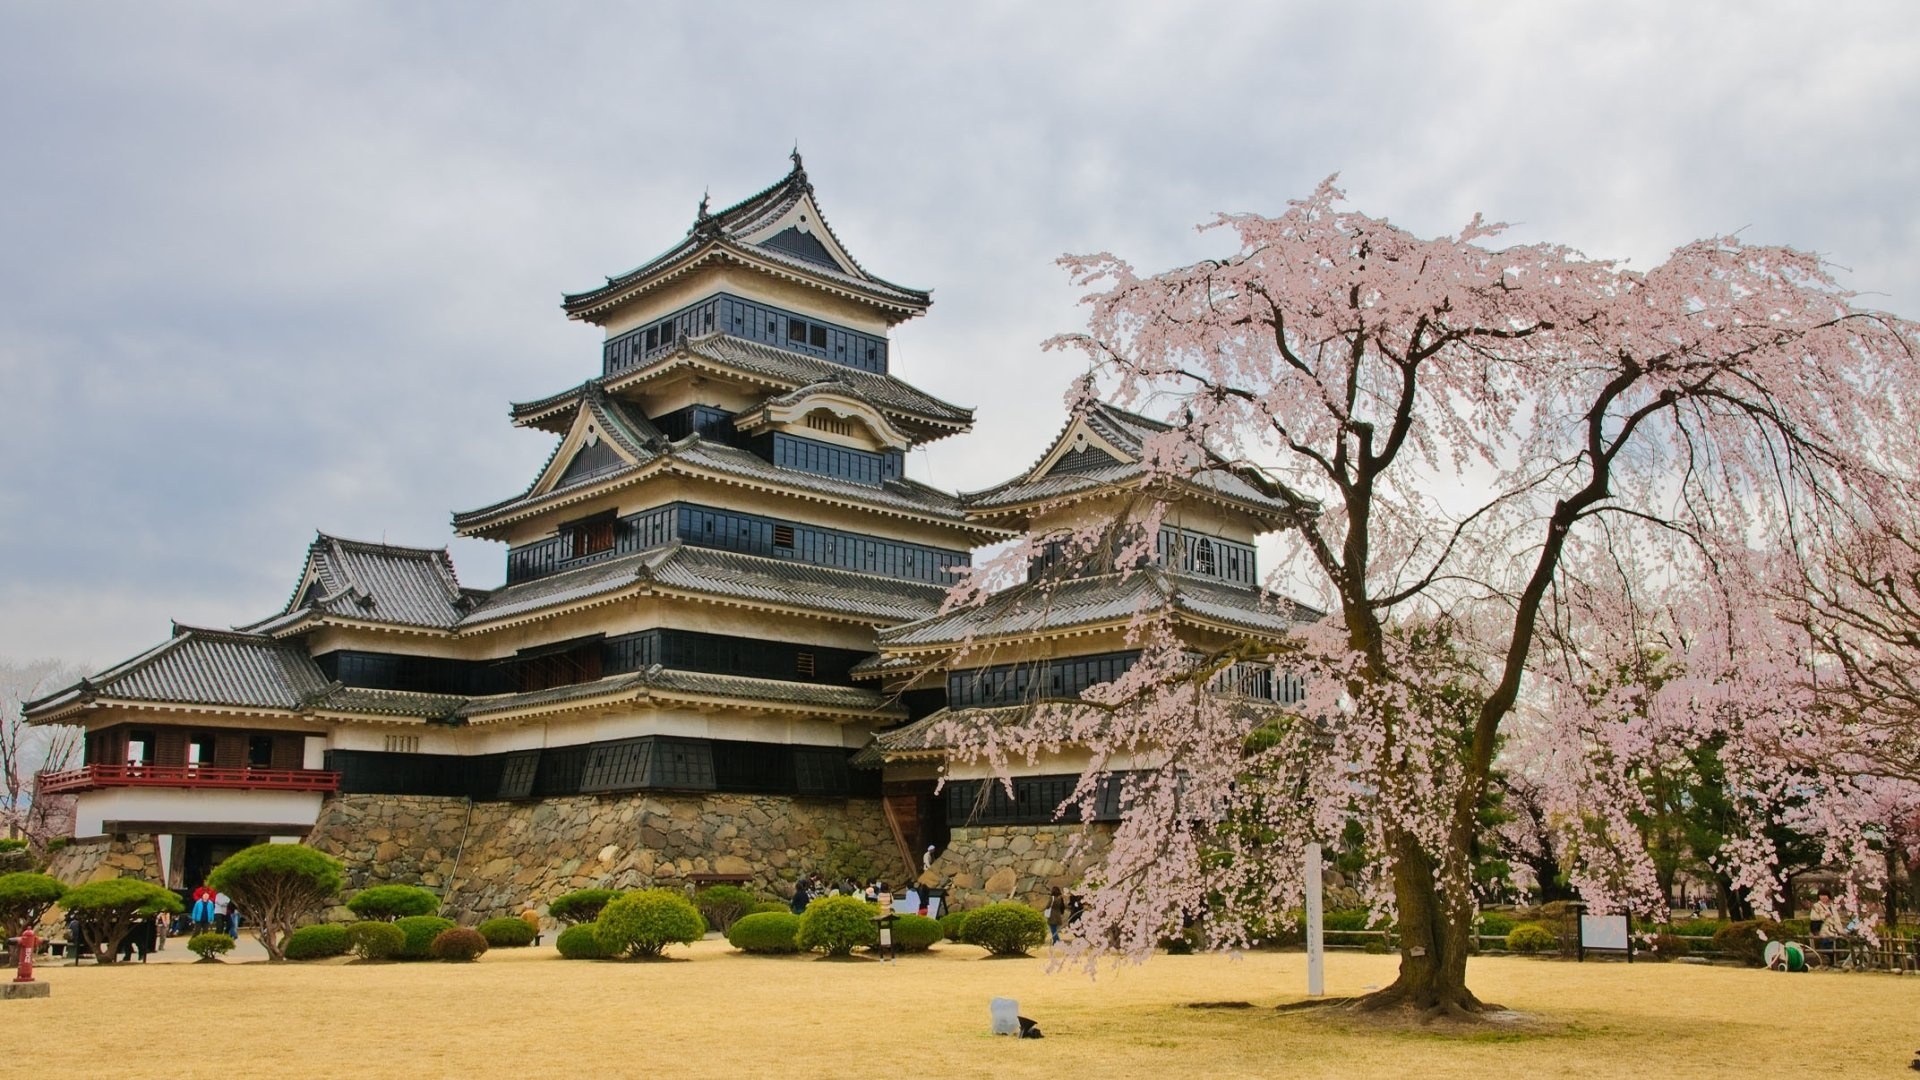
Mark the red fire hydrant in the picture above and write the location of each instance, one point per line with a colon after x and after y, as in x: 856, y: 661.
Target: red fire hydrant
x: 28, y: 941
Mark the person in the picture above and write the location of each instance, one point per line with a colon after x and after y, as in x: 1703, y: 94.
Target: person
x: 202, y: 907
x: 1056, y: 912
x: 926, y: 860
x: 801, y: 895
x: 1075, y: 906
x: 222, y: 908
x: 1821, y: 915
x: 233, y: 920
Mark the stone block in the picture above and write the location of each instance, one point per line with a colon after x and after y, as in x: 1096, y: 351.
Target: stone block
x: 16, y: 991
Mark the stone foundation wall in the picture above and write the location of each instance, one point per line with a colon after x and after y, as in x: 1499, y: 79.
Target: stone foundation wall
x: 492, y: 859
x: 100, y: 858
x: 987, y: 864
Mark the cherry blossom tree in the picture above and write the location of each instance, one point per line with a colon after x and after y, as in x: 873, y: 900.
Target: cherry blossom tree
x: 1454, y: 426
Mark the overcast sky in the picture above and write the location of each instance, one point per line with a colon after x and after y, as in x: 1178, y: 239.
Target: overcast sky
x: 272, y: 268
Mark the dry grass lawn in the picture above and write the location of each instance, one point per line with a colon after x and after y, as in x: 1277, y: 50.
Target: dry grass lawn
x: 526, y: 1014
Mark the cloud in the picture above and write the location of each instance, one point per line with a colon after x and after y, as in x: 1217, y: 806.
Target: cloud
x: 273, y: 268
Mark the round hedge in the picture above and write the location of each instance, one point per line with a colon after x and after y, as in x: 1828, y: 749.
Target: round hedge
x: 393, y: 902
x: 916, y: 933
x: 766, y: 932
x: 209, y: 944
x: 837, y: 925
x: 459, y: 945
x: 1528, y: 938
x: 24, y: 897
x: 955, y: 925
x: 580, y: 943
x: 317, y: 942
x: 581, y: 905
x: 419, y: 931
x: 1005, y: 929
x: 507, y: 932
x: 643, y: 923
x: 373, y: 940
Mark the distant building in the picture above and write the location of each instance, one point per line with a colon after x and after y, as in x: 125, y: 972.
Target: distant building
x: 719, y: 589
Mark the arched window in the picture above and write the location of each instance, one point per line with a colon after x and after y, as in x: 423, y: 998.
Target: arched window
x: 1203, y: 557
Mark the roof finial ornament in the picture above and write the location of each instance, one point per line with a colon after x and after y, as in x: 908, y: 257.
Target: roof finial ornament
x: 704, y: 197
x: 799, y: 170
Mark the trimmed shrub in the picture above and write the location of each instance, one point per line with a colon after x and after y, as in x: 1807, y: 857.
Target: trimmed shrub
x: 459, y: 945
x: 1342, y: 926
x: 916, y: 933
x: 24, y: 898
x: 643, y: 923
x: 419, y: 932
x: 1497, y: 923
x: 393, y: 902
x: 581, y: 905
x: 107, y: 910
x: 279, y: 886
x: 1529, y: 938
x: 209, y: 944
x: 1705, y: 928
x: 317, y: 942
x: 724, y: 905
x: 1668, y: 947
x: 955, y: 924
x: 580, y: 943
x: 507, y: 932
x: 1006, y: 929
x: 12, y: 843
x: 837, y: 925
x: 1747, y: 941
x: 372, y: 940
x: 772, y: 906
x: 766, y: 932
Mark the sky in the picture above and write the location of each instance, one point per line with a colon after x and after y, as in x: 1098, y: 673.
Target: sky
x: 273, y: 268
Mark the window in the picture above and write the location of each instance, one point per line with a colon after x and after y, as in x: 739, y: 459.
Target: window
x: 140, y: 748
x: 200, y: 748
x: 796, y: 330
x: 402, y: 744
x: 260, y: 751
x: 817, y: 336
x: 803, y: 664
x: 592, y: 537
x: 1203, y: 556
x: 783, y: 536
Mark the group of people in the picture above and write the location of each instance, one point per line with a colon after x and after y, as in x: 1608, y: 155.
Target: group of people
x: 812, y: 887
x: 213, y: 910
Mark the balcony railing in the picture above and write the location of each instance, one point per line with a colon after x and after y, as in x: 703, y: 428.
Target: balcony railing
x: 246, y: 778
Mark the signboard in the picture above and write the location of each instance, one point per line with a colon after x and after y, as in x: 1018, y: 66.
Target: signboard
x: 1605, y: 932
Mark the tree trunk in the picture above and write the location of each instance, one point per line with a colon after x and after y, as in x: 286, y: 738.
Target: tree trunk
x: 1434, y: 936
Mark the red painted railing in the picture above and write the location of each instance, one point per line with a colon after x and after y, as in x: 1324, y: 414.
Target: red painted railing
x: 90, y: 777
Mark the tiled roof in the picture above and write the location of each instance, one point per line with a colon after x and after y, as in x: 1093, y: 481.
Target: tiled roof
x: 363, y: 701
x: 382, y: 583
x: 724, y: 574
x: 202, y: 667
x: 728, y: 229
x: 1127, y: 432
x: 1038, y: 607
x: 793, y: 371
x: 223, y: 668
x: 696, y: 453
x: 671, y: 683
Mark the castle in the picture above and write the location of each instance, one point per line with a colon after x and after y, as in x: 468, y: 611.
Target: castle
x: 719, y: 653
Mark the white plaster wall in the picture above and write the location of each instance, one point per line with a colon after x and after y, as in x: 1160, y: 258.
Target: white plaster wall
x: 217, y: 806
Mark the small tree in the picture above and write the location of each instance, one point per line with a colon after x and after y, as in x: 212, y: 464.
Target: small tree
x: 278, y: 885
x: 23, y: 899
x: 107, y: 910
x: 393, y: 902
x: 581, y: 905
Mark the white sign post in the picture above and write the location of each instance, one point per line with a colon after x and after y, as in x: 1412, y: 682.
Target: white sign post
x: 1316, y: 944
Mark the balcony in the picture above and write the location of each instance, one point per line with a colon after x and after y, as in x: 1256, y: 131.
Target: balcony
x: 244, y: 778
